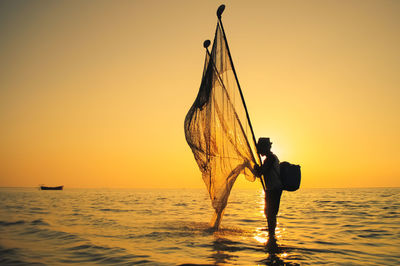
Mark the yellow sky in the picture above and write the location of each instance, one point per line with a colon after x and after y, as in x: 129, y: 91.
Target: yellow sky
x: 94, y: 93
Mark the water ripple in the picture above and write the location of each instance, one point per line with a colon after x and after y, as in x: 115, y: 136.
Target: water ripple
x: 170, y: 227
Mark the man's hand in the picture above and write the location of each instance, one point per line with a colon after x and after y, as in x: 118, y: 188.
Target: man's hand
x: 257, y: 170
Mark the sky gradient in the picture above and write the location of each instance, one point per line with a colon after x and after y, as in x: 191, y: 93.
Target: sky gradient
x: 94, y: 93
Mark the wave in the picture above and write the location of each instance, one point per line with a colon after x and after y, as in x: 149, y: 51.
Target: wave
x: 12, y: 256
x: 116, y: 210
x: 19, y: 222
x: 84, y: 253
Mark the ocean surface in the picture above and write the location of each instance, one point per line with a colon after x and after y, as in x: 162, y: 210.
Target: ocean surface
x: 170, y: 227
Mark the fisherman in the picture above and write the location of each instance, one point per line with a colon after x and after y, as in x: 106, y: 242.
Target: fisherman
x: 269, y: 171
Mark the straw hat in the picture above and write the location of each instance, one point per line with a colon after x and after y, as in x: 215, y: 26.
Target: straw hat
x: 262, y: 142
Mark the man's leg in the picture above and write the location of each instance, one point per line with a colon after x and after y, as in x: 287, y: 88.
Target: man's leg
x: 272, y: 200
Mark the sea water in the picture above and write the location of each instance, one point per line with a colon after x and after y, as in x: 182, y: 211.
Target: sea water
x: 170, y: 227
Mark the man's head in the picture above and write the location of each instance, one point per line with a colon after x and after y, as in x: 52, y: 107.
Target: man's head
x: 264, y: 146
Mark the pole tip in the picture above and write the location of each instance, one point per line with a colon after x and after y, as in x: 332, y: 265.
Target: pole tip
x: 220, y: 10
x: 206, y: 43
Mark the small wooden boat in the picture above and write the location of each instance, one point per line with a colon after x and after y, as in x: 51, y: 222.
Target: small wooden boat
x: 51, y: 188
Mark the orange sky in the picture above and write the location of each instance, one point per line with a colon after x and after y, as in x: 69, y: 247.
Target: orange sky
x: 94, y: 93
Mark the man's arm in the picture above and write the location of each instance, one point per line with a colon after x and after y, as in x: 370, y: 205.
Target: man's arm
x: 257, y: 170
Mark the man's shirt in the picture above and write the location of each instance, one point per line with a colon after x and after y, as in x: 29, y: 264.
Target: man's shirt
x: 270, y: 171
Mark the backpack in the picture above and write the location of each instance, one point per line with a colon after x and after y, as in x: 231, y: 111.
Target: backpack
x: 290, y: 176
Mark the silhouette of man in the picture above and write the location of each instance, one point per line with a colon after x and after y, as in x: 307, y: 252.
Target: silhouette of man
x: 269, y: 171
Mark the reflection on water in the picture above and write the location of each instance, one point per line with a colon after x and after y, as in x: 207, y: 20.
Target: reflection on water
x: 169, y: 227
x: 261, y: 239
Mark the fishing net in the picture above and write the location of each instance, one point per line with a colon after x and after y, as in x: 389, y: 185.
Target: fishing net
x: 217, y: 128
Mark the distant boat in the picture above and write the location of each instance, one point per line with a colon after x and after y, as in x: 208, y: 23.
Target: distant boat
x: 51, y: 188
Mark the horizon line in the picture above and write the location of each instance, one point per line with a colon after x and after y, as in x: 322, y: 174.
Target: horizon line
x: 169, y: 188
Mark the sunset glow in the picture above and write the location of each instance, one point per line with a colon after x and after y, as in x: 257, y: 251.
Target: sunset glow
x: 94, y: 94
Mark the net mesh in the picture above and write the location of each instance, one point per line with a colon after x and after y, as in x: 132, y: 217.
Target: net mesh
x: 217, y: 129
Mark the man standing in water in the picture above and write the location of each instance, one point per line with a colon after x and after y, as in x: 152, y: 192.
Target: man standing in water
x: 269, y: 171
